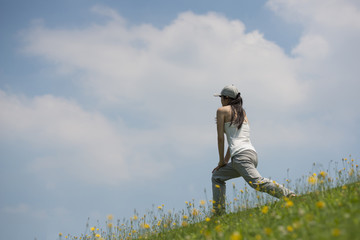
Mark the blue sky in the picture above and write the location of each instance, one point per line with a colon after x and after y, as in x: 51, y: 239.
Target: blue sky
x: 108, y: 106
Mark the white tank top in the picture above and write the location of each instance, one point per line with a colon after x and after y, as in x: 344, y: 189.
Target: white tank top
x: 238, y: 139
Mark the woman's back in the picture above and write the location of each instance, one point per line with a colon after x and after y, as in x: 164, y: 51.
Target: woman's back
x: 238, y: 139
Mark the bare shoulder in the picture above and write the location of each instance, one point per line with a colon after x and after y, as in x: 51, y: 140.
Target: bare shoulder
x: 224, y: 112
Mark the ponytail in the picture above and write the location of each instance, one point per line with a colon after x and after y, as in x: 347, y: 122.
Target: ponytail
x: 237, y: 110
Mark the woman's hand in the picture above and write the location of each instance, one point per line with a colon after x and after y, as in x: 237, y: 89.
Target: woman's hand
x: 218, y: 167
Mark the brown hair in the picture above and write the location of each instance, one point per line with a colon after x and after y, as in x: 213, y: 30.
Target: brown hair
x: 237, y: 111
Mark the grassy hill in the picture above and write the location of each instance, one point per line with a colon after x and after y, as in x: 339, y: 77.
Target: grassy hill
x: 328, y: 207
x: 330, y: 214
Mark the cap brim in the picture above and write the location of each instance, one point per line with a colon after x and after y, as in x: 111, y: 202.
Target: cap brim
x: 217, y: 95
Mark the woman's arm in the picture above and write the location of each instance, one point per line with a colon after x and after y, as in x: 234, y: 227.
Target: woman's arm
x: 220, y: 120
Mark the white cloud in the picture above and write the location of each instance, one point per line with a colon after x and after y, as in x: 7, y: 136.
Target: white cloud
x: 166, y: 77
x: 329, y: 14
x: 312, y: 46
x: 193, y: 56
x: 73, y: 142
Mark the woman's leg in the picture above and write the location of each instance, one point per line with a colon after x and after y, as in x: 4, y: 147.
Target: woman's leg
x: 218, y: 180
x: 246, y: 163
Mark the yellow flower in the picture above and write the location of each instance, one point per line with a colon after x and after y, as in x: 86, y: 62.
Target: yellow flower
x: 207, y: 219
x: 92, y: 229
x: 267, y: 231
x: 135, y: 217
x: 146, y: 226
x: 335, y: 232
x: 289, y: 204
x: 312, y: 180
x: 159, y: 207
x: 185, y: 217
x: 351, y: 172
x: 217, y: 186
x: 184, y: 224
x: 265, y: 210
x: 235, y: 236
x: 195, y: 212
x: 60, y: 234
x: 258, y: 237
x: 322, y: 174
x: 320, y: 204
x: 97, y: 235
x: 290, y: 228
x: 218, y: 228
x: 110, y: 217
x: 202, y: 202
x: 241, y: 191
x: 110, y: 225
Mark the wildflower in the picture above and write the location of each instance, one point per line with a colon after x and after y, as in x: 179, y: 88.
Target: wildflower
x: 335, y: 232
x: 110, y: 217
x: 258, y: 237
x: 351, y: 172
x: 265, y: 210
x: 158, y: 223
x: 160, y: 207
x: 218, y: 228
x: 60, y: 234
x: 185, y: 217
x: 289, y: 228
x: 135, y: 217
x: 184, y: 224
x: 174, y: 223
x: 344, y: 187
x: 322, y: 174
x: 289, y: 204
x: 268, y: 231
x: 207, y: 219
x: 195, y: 212
x: 110, y: 225
x: 97, y: 235
x: 186, y: 202
x: 92, y: 229
x: 146, y: 226
x: 202, y: 202
x: 241, y: 191
x: 217, y: 186
x: 235, y: 236
x: 312, y: 180
x: 320, y: 204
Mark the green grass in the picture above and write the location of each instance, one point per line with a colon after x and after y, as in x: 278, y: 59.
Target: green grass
x: 331, y: 214
x: 327, y: 208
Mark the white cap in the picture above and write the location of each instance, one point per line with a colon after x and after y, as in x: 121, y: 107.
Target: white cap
x: 228, y: 91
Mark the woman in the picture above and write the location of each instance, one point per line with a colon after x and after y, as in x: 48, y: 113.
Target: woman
x: 231, y: 120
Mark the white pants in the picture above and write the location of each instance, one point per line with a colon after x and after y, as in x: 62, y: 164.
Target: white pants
x: 243, y: 165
